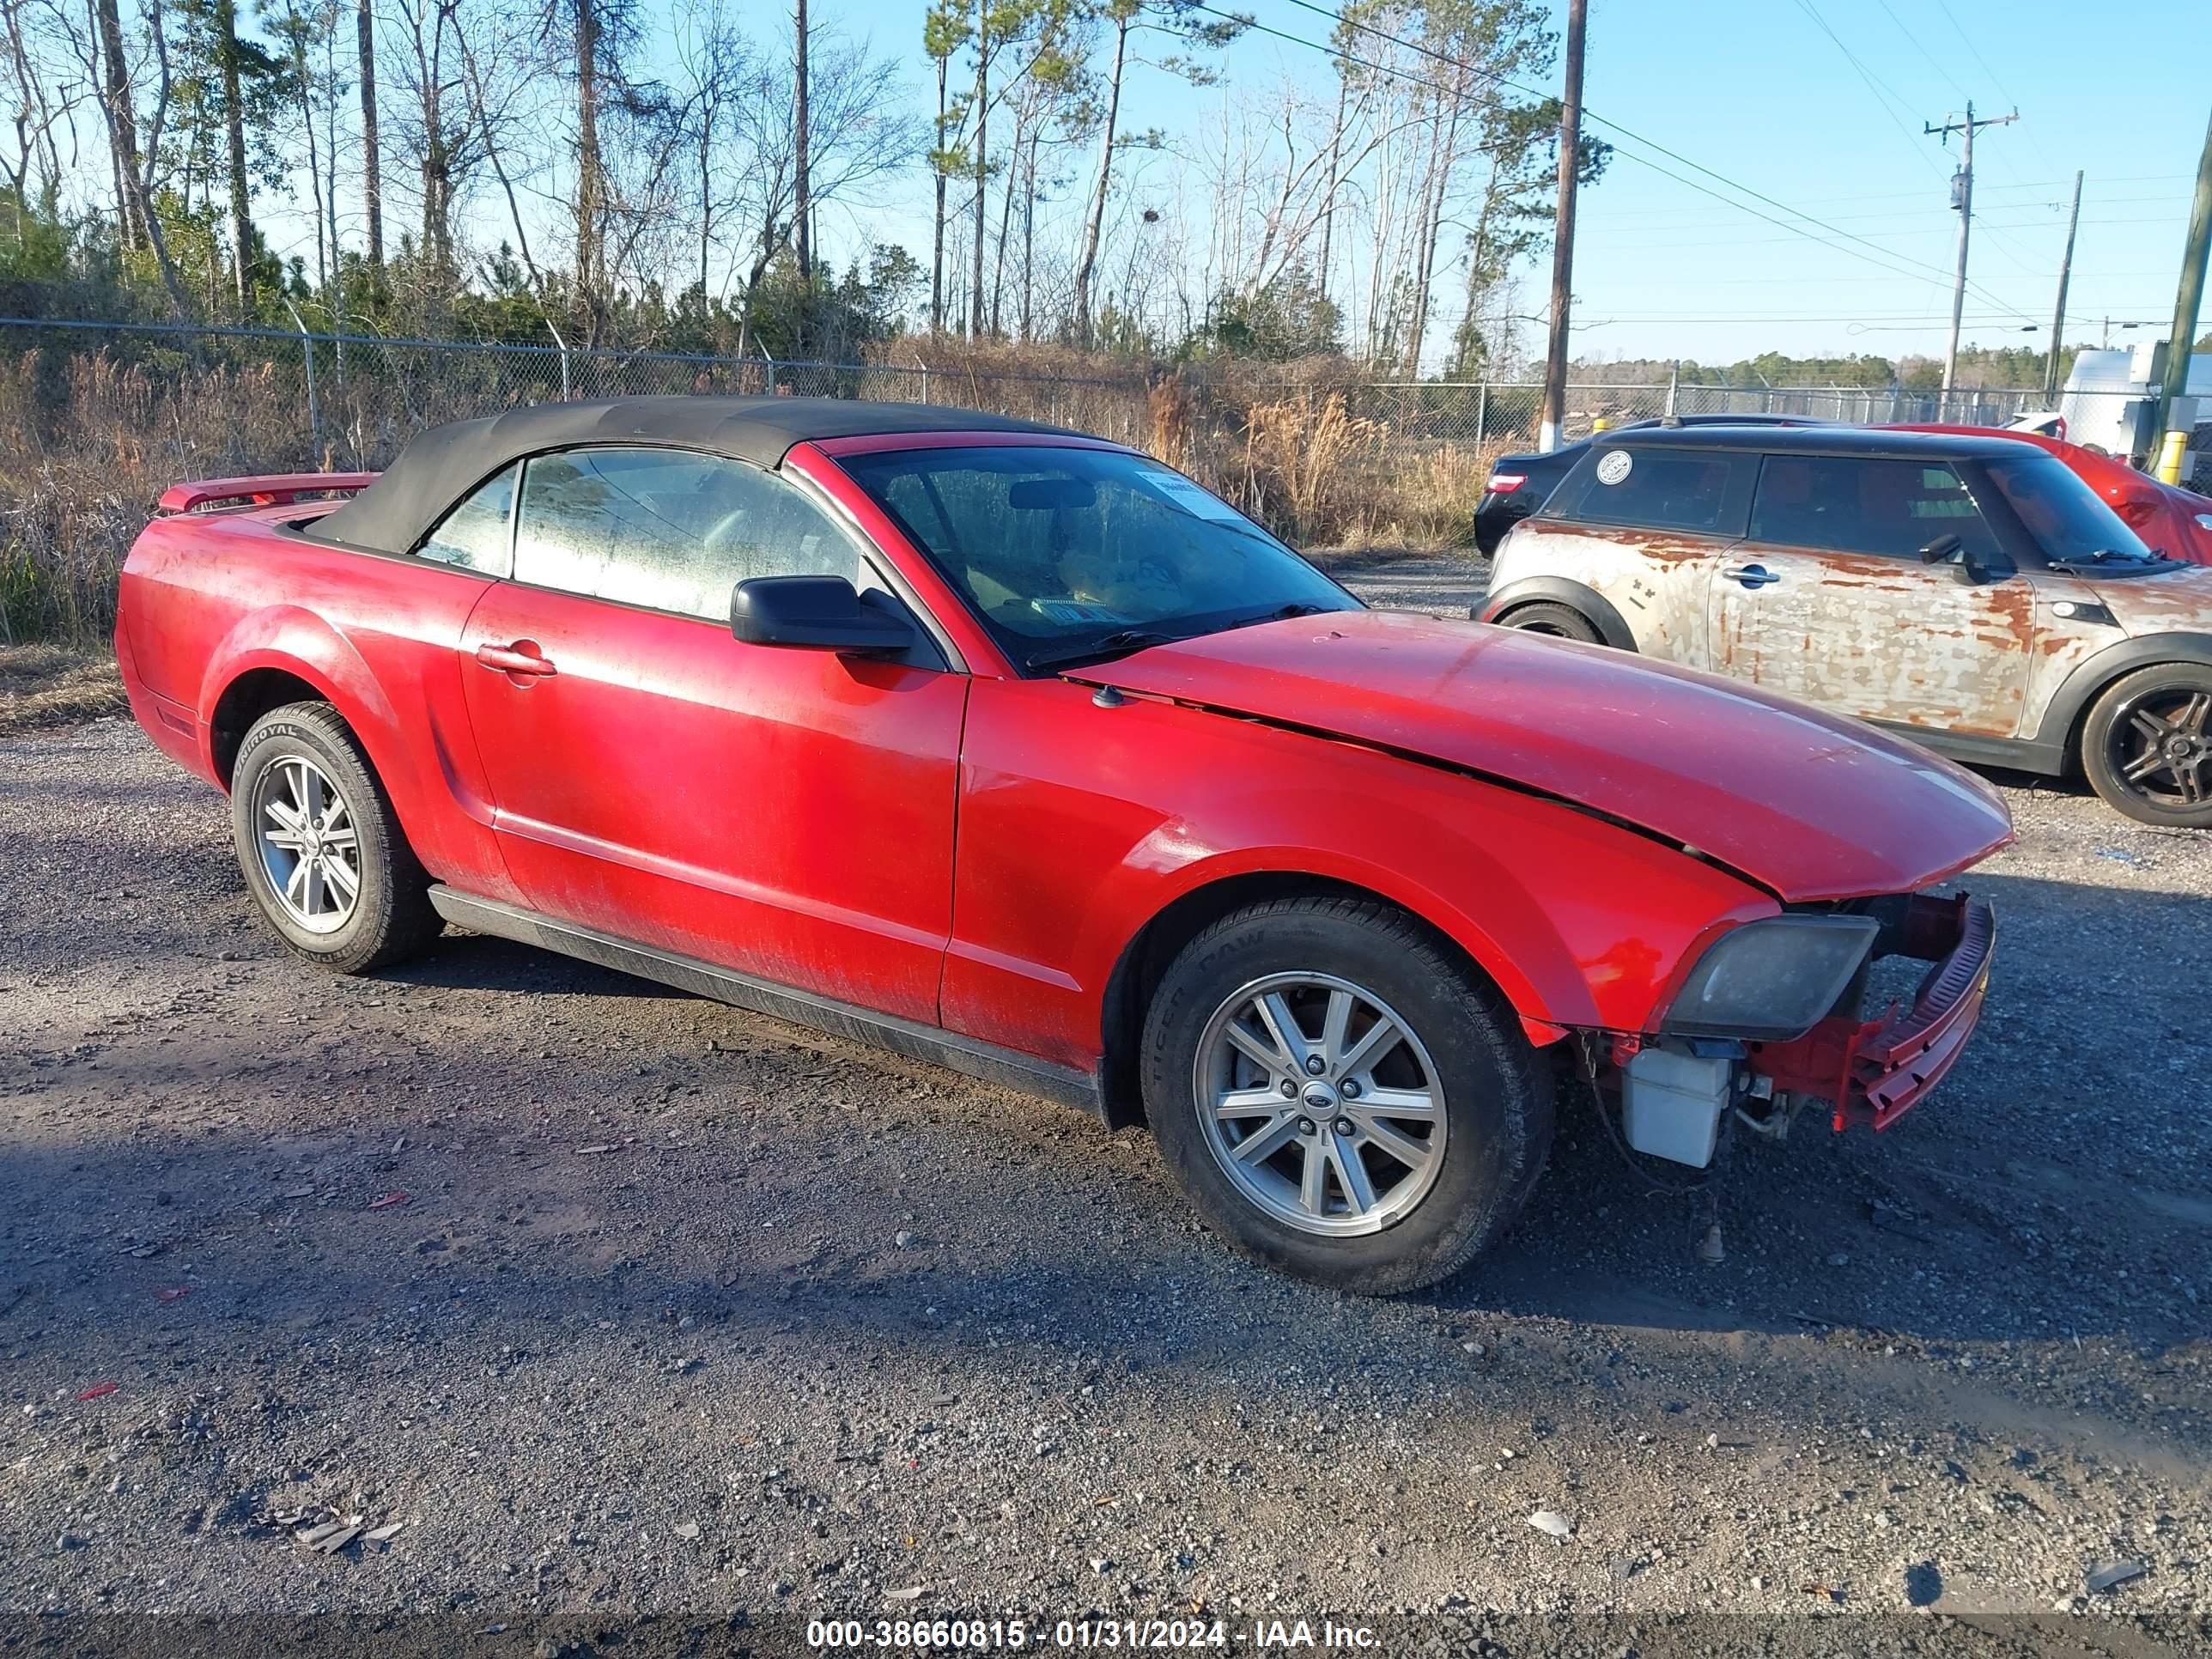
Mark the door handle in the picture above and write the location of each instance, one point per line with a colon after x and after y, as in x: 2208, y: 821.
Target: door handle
x: 1751, y: 575
x: 520, y: 658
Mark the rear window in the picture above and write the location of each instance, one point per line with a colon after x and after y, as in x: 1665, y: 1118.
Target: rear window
x: 1658, y: 489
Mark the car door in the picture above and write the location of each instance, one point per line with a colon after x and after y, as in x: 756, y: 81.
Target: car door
x: 785, y: 814
x: 1650, y: 525
x: 1830, y: 597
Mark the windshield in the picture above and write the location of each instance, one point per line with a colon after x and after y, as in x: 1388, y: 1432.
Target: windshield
x: 1068, y: 553
x: 2068, y: 519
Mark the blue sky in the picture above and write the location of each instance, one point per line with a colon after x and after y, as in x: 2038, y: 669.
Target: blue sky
x: 1758, y: 92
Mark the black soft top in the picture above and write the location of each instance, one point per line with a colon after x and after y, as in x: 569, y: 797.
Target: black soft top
x: 438, y: 467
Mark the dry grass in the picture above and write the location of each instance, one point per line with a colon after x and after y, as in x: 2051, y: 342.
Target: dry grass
x: 53, y: 685
x: 94, y: 441
x: 1298, y: 460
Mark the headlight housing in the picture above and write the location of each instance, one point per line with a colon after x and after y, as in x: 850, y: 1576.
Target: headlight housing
x: 1771, y: 981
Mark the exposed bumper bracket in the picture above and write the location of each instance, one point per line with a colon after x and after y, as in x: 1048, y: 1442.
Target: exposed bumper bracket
x: 1875, y: 1070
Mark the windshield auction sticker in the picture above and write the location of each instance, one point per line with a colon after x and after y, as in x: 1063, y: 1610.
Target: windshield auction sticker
x: 1193, y: 499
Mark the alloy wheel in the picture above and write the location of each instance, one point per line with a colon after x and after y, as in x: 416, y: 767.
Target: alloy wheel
x: 1319, y: 1104
x: 2161, y: 749
x: 310, y: 849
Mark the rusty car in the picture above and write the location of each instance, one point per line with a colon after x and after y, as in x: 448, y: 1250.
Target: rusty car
x: 1969, y: 592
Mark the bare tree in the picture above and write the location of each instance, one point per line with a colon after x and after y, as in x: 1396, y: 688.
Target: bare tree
x: 371, y: 167
x: 228, y: 50
x: 122, y: 118
x: 437, y: 130
x: 42, y: 105
x: 803, y: 199
x: 984, y: 43
x: 300, y: 31
x: 1180, y: 21
x: 591, y: 167
x: 712, y: 59
x: 1044, y: 87
x: 857, y: 134
x: 944, y: 32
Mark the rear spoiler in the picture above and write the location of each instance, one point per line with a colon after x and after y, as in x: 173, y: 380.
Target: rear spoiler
x: 272, y: 489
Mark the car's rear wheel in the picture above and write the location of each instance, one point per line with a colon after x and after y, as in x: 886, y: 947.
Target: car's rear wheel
x: 1341, y: 1096
x: 322, y: 850
x: 2147, y: 745
x: 1562, y: 622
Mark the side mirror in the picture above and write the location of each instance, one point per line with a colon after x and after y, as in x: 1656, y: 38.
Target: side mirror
x: 815, y: 613
x: 1947, y: 548
x: 1940, y: 549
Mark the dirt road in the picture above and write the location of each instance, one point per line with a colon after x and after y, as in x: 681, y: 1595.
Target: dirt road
x: 618, y: 1302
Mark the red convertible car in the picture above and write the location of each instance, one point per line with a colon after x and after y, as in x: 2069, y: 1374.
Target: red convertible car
x: 1018, y: 750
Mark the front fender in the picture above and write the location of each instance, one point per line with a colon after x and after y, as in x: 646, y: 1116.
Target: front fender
x: 1078, y: 828
x: 2092, y: 674
x: 1577, y: 922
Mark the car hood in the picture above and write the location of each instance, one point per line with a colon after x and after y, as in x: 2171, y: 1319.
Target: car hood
x: 2160, y: 602
x: 1809, y: 806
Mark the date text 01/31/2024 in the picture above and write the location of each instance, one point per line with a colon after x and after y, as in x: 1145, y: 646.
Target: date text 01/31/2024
x: 954, y: 1635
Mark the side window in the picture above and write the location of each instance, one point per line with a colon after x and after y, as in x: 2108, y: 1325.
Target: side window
x: 474, y: 535
x: 668, y: 529
x: 1664, y: 489
x: 1839, y: 504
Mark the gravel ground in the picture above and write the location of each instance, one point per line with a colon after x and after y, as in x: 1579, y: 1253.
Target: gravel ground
x: 618, y: 1303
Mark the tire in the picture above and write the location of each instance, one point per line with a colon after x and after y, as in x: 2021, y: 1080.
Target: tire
x: 304, y: 753
x: 2147, y: 745
x: 1489, y: 1098
x: 1561, y: 622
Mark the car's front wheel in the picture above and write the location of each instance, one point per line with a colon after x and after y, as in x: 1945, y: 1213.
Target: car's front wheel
x: 321, y: 848
x: 2147, y: 745
x: 1341, y: 1096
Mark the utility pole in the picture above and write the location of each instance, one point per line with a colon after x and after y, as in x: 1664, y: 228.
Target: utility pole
x: 2058, y: 315
x: 1962, y: 199
x: 2175, y: 381
x: 1563, y: 234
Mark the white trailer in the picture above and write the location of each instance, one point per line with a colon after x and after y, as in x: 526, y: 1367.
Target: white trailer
x: 2110, y: 396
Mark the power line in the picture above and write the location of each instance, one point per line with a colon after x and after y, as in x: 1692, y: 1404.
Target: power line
x: 1933, y: 61
x: 1995, y: 80
x: 1591, y: 115
x: 1781, y: 224
x: 1796, y: 231
x: 1911, y: 223
x: 1874, y: 84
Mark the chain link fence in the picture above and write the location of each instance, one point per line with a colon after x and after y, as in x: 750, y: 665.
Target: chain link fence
x: 355, y: 399
x: 1506, y: 413
x: 103, y: 416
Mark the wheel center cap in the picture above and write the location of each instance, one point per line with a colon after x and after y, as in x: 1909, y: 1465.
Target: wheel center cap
x: 1319, y: 1096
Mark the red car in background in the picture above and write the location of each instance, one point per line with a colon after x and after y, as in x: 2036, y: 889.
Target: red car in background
x: 2172, y: 521
x: 1018, y: 750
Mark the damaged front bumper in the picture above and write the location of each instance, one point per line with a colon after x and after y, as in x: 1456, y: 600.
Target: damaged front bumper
x: 1874, y: 1071
x: 1676, y: 1091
